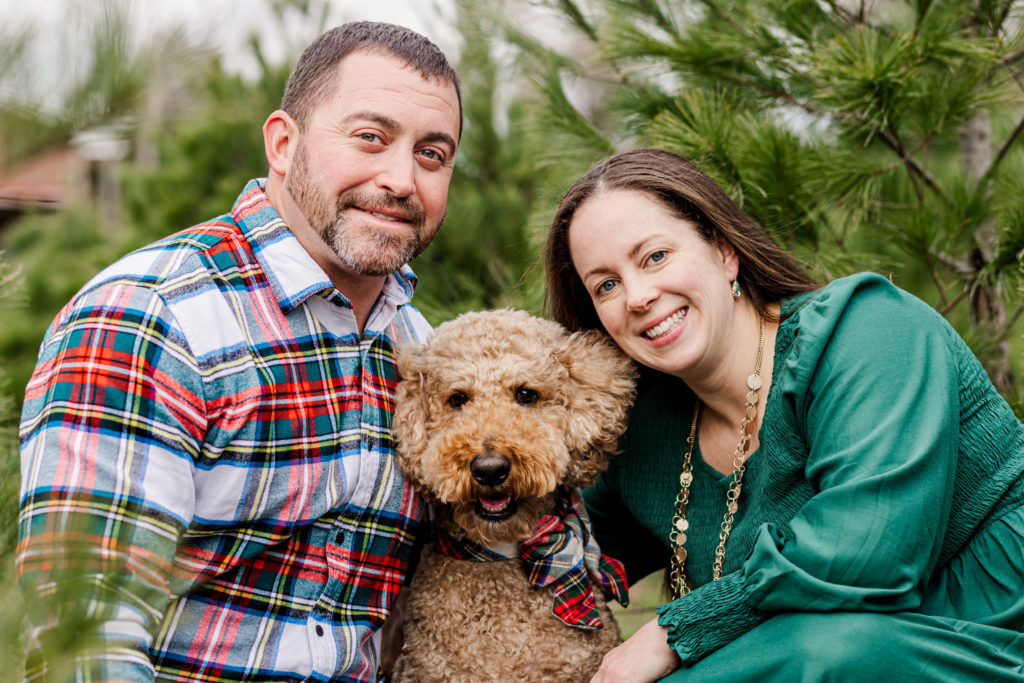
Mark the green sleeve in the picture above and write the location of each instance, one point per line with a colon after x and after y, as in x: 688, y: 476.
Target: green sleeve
x: 872, y: 385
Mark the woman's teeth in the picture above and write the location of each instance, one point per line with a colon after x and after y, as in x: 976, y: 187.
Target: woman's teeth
x: 665, y: 325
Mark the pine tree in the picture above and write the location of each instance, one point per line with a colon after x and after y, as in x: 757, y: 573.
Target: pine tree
x: 485, y: 255
x: 864, y: 135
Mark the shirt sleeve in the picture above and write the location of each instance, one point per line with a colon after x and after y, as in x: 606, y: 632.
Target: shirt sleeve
x: 873, y: 386
x: 112, y: 421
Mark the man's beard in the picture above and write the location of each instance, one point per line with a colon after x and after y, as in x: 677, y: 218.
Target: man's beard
x: 364, y: 250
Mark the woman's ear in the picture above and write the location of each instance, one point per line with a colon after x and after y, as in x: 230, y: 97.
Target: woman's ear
x: 280, y: 137
x: 730, y: 259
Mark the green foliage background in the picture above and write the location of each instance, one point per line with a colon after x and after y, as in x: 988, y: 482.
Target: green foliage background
x: 837, y: 132
x: 840, y: 127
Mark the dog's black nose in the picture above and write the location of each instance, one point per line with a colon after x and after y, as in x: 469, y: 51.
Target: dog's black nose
x: 490, y: 469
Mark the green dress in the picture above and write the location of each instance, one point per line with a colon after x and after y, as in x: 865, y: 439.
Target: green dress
x: 881, y: 524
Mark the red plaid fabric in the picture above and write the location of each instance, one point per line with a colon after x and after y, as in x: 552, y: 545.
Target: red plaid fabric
x: 561, y: 552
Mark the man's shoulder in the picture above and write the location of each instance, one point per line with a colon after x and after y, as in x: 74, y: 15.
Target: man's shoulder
x: 211, y: 246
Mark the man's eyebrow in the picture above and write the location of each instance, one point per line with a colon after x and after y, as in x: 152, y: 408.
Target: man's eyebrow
x: 442, y: 138
x: 391, y: 124
x: 384, y: 121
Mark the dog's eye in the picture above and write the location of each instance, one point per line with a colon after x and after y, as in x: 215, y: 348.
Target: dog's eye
x: 457, y: 400
x: 525, y: 397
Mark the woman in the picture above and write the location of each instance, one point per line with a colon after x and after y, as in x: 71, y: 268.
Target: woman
x: 828, y: 474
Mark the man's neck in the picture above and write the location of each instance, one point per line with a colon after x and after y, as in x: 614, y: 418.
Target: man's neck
x: 362, y: 291
x: 361, y: 297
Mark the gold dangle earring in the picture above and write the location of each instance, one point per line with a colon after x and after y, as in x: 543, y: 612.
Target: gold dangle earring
x: 735, y: 288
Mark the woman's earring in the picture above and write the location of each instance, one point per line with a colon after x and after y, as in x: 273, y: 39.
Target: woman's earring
x: 735, y: 289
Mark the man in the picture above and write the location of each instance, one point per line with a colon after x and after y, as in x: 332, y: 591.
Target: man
x: 207, y: 468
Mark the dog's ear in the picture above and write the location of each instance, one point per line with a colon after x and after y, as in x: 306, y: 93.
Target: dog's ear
x: 411, y: 409
x: 603, y: 386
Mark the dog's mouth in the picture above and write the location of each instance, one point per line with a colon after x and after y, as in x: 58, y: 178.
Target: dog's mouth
x: 495, y: 508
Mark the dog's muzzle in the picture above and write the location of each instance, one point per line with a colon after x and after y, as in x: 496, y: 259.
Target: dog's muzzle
x: 491, y: 470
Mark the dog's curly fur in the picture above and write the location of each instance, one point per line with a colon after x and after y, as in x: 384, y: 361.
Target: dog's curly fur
x: 551, y: 407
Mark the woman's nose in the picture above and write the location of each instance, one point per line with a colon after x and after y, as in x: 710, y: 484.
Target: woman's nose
x: 639, y: 297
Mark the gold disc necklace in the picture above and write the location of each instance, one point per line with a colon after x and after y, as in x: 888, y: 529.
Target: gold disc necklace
x: 677, y: 535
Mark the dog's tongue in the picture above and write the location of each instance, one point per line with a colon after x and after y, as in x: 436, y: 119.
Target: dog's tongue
x: 494, y: 503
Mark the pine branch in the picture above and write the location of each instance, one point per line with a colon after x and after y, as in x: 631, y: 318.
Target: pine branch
x: 1004, y: 15
x: 1013, y: 317
x: 937, y: 281
x: 857, y: 20
x: 892, y: 140
x: 948, y: 308
x: 649, y: 8
x: 961, y: 268
x: 987, y: 175
x: 574, y: 13
x: 1012, y: 58
x: 713, y: 6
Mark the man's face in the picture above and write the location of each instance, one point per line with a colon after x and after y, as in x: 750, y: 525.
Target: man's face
x: 371, y: 171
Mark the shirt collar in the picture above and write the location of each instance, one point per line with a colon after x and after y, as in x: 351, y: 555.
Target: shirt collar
x: 293, y: 274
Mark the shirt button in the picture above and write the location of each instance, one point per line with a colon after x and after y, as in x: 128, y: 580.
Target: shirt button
x: 319, y: 630
x: 340, y: 538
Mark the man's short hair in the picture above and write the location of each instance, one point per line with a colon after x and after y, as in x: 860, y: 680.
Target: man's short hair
x: 312, y: 80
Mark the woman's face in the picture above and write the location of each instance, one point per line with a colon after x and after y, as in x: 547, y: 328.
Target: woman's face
x: 661, y: 291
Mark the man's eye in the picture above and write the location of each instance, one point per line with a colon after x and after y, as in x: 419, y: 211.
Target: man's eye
x: 525, y: 396
x: 369, y: 137
x: 457, y: 400
x: 432, y: 158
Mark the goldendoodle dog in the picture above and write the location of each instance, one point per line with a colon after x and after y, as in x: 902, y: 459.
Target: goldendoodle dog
x: 500, y: 418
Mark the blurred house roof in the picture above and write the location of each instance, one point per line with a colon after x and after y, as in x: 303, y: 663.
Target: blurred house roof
x: 39, y: 182
x: 62, y: 176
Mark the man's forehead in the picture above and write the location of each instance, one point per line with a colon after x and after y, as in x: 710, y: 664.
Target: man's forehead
x: 383, y: 61
x: 373, y: 83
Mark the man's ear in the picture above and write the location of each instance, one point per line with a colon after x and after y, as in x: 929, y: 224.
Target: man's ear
x: 280, y: 137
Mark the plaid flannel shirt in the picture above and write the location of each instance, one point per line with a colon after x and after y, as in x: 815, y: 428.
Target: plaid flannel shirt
x: 207, y: 459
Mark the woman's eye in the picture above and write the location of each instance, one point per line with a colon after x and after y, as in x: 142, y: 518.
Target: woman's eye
x: 525, y: 397
x: 457, y: 400
x: 606, y: 286
x: 657, y: 257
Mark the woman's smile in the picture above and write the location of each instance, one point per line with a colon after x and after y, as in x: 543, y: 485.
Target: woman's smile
x: 667, y: 325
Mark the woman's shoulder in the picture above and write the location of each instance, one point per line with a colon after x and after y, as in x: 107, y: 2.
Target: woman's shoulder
x: 860, y: 320
x: 865, y: 305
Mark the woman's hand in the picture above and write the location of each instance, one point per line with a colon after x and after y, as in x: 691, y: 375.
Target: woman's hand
x: 644, y: 657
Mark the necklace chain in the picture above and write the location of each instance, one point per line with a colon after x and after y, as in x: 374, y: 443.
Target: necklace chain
x: 677, y: 535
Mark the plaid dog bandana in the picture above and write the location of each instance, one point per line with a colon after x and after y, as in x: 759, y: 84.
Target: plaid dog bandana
x: 562, y: 552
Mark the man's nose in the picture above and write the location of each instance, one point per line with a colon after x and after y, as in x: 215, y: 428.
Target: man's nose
x: 397, y: 174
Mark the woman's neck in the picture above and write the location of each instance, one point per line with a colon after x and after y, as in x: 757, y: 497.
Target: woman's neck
x: 722, y: 389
